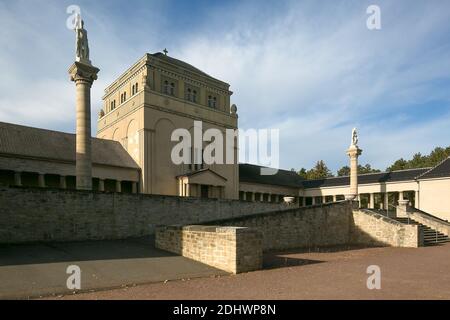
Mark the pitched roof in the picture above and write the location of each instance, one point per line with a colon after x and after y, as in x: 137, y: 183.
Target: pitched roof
x: 439, y: 171
x: 393, y: 176
x: 192, y: 173
x: 22, y: 141
x: 252, y: 174
x: 182, y: 64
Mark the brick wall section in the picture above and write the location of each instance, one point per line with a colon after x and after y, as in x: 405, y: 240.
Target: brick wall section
x: 33, y: 214
x: 314, y: 226
x: 232, y: 249
x: 371, y: 228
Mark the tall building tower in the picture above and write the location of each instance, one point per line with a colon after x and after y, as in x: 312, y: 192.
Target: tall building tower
x: 155, y: 96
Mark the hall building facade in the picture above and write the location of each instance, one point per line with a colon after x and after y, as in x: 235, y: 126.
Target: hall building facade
x: 132, y: 150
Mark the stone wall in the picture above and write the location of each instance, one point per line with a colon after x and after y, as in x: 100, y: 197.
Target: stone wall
x: 232, y: 249
x: 33, y: 214
x: 431, y: 221
x: 371, y: 228
x: 314, y: 226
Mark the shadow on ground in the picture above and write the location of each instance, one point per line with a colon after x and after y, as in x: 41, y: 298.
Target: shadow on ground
x: 280, y: 259
x: 38, y: 253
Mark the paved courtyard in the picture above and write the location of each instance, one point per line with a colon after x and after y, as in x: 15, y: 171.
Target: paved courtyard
x: 40, y: 269
x: 422, y: 273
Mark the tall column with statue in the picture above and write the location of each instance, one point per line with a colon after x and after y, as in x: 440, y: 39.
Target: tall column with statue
x: 83, y: 74
x: 353, y: 152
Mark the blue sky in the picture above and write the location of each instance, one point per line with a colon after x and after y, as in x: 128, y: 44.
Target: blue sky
x: 310, y: 68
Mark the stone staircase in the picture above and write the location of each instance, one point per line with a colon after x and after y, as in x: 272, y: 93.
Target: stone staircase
x: 431, y: 236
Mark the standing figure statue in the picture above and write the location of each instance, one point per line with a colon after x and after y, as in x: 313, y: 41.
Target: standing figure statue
x: 82, y: 45
x: 354, y: 137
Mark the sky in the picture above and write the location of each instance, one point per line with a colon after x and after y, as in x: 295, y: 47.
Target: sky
x: 311, y: 69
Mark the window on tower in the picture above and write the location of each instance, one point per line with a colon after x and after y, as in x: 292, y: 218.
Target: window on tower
x: 166, y: 87
x: 189, y: 94
x: 212, y: 101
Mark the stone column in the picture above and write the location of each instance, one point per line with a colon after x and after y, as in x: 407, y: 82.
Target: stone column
x: 62, y: 182
x: 261, y: 197
x: 101, y: 185
x: 269, y: 197
x: 313, y: 201
x: 416, y: 200
x: 253, y: 197
x: 353, y: 152
x: 118, y: 186
x: 244, y: 196
x: 18, y: 179
x: 386, y: 201
x: 334, y: 198
x: 372, y: 201
x: 83, y: 75
x: 400, y: 196
x: 41, y: 180
x: 134, y: 187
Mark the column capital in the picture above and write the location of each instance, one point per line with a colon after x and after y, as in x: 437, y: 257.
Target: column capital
x: 82, y: 72
x: 354, y: 151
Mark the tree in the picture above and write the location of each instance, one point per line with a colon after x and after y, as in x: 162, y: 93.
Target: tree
x: 345, y: 170
x: 319, y: 171
x: 303, y: 173
x: 400, y: 164
x: 366, y: 169
x: 421, y: 161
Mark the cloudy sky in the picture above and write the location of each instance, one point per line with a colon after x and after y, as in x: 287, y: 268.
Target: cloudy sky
x: 309, y: 68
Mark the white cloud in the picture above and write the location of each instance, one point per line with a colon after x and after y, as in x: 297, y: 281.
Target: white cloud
x: 314, y: 71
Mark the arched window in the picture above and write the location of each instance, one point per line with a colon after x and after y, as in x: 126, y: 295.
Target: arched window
x: 172, y: 89
x: 210, y: 101
x: 194, y: 96
x: 166, y: 87
x: 189, y: 95
x: 136, y: 88
x: 124, y: 96
x: 132, y: 90
x: 214, y: 102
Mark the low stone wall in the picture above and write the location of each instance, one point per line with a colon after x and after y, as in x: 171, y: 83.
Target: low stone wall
x: 370, y: 228
x: 33, y: 214
x: 232, y: 249
x: 314, y: 226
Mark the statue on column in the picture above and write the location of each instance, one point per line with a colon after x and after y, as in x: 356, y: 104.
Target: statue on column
x: 82, y: 45
x: 354, y: 138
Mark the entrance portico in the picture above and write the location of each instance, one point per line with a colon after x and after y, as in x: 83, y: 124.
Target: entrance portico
x: 204, y: 183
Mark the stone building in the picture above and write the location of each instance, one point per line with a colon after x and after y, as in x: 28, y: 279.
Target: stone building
x: 142, y: 108
x: 44, y: 158
x: 132, y: 151
x: 427, y: 189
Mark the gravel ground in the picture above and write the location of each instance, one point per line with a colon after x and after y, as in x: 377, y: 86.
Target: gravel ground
x: 422, y: 273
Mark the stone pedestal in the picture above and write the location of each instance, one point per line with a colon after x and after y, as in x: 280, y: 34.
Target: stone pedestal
x: 353, y: 152
x: 83, y: 75
x: 402, y: 209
